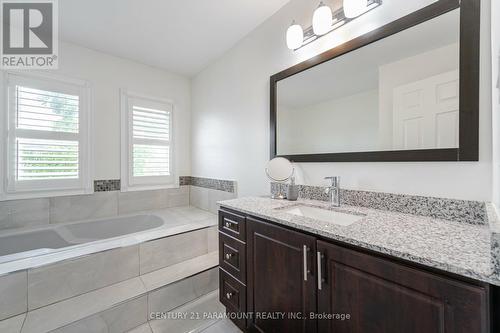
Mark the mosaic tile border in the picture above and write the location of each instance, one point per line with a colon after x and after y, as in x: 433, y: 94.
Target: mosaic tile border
x: 472, y: 212
x: 184, y: 180
x: 107, y: 185
x: 210, y: 183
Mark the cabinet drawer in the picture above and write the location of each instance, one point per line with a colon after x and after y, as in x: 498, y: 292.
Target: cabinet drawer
x: 232, y: 225
x: 232, y: 257
x: 233, y: 296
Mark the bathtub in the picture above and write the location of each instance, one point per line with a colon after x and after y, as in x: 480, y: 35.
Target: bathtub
x: 16, y: 245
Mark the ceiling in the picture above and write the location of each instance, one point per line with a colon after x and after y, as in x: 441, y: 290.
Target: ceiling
x: 176, y: 35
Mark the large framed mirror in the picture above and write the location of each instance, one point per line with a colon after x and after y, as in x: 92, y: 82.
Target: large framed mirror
x: 407, y: 91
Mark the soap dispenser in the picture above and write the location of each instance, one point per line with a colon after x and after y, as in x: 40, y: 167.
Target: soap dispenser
x: 292, y: 193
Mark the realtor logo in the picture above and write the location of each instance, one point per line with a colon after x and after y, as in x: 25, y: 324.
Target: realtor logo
x: 29, y: 34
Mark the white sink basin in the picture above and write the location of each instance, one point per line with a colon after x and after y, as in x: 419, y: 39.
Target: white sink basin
x: 330, y: 216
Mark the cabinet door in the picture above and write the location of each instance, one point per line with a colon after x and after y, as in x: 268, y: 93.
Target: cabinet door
x: 383, y: 296
x: 280, y: 278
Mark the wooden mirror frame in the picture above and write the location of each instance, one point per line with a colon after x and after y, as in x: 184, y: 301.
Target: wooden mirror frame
x: 469, y: 88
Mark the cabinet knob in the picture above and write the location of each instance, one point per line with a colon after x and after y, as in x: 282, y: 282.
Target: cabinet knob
x: 229, y: 295
x: 227, y: 225
x: 229, y: 255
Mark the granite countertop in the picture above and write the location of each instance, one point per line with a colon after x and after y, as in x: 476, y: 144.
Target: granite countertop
x: 455, y: 247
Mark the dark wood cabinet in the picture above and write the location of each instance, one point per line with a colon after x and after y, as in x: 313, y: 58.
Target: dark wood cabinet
x: 281, y: 278
x: 382, y: 296
x: 287, y: 275
x: 232, y: 257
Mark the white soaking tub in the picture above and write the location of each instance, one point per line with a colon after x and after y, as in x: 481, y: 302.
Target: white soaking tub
x: 31, y: 247
x: 16, y: 245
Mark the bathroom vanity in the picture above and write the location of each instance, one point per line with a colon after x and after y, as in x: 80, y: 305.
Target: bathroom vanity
x: 384, y: 272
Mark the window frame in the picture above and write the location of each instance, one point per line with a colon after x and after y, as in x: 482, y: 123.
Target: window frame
x: 128, y: 181
x: 13, y: 189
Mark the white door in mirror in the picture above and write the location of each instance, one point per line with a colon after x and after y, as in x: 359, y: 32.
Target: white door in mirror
x: 426, y: 113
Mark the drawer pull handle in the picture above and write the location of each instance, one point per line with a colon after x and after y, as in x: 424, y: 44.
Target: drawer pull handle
x: 229, y: 223
x: 229, y: 295
x: 229, y: 255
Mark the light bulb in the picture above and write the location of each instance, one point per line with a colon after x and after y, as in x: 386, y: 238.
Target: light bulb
x: 354, y: 8
x: 294, y: 36
x: 322, y: 19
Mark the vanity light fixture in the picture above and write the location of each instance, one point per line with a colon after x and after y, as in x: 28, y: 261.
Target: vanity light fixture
x: 324, y: 21
x: 294, y: 36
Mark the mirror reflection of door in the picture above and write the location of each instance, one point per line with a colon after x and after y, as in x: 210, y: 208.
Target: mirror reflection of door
x: 426, y: 113
x: 398, y: 93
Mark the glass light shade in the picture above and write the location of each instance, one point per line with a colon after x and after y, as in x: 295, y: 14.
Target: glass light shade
x: 294, y: 36
x: 322, y: 19
x: 354, y: 8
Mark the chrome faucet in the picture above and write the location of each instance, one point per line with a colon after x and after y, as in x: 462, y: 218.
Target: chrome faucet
x: 334, y: 191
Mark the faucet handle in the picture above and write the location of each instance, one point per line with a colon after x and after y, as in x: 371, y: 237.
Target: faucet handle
x: 335, y: 180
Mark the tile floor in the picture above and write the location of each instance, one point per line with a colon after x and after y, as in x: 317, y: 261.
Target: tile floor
x: 222, y: 326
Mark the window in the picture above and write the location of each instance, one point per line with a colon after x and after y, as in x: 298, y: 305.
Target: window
x: 47, y: 135
x: 146, y: 142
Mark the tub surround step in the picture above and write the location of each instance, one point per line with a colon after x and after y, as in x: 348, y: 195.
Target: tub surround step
x: 205, y: 304
x: 14, y: 294
x: 144, y: 328
x: 118, y: 319
x: 164, y: 252
x: 98, y: 307
x: 177, y: 272
x: 182, y: 292
x: 13, y: 324
x: 222, y: 326
x: 53, y: 283
x: 69, y: 311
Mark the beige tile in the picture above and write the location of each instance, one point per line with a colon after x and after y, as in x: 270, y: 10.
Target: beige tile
x: 13, y: 295
x: 178, y: 197
x: 83, y: 207
x: 24, y: 213
x: 66, y: 312
x: 192, y: 214
x: 144, y: 328
x: 179, y: 293
x: 177, y: 272
x: 136, y: 201
x: 213, y: 238
x: 119, y: 319
x: 205, y: 304
x: 214, y: 196
x: 222, y: 326
x: 172, y: 250
x: 198, y: 197
x: 13, y: 324
x: 62, y: 280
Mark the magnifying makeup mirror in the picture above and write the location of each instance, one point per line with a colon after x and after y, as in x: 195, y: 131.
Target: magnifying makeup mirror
x: 280, y: 170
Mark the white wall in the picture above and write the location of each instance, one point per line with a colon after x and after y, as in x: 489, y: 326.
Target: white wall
x: 328, y: 126
x: 495, y: 48
x: 107, y: 74
x: 230, y: 114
